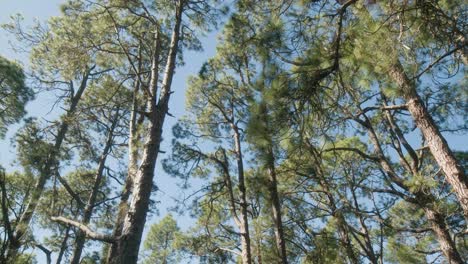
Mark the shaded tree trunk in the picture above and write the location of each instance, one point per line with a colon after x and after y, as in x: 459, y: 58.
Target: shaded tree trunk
x: 134, y: 138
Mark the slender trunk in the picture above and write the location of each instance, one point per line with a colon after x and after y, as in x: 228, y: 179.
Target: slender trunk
x: 88, y: 212
x: 63, y: 245
x: 259, y: 251
x: 244, y: 221
x: 126, y: 248
x: 369, y: 249
x: 454, y: 173
x: 276, y: 208
x: 45, y: 172
x: 269, y: 165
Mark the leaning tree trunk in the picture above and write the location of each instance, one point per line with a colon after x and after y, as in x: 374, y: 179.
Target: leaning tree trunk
x: 45, y: 172
x: 88, y: 212
x: 454, y: 173
x: 126, y: 248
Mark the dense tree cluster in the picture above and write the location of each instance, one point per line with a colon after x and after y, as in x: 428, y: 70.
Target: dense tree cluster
x: 317, y: 131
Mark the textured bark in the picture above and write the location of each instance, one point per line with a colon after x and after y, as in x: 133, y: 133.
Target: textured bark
x: 125, y: 249
x: 45, y: 172
x: 446, y: 243
x: 88, y: 212
x: 244, y: 221
x: 454, y: 173
x: 133, y: 140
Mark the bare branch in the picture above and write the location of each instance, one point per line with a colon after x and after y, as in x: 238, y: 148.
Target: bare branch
x: 86, y: 230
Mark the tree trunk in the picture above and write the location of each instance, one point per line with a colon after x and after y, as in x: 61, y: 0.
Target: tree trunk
x: 259, y: 251
x: 88, y: 212
x: 276, y: 208
x: 63, y: 245
x: 133, y: 140
x: 447, y: 245
x: 125, y: 249
x: 244, y: 221
x: 45, y: 173
x: 454, y: 173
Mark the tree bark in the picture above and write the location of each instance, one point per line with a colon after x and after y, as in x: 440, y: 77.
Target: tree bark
x: 446, y: 243
x: 454, y: 173
x: 134, y: 138
x: 244, y: 221
x: 125, y: 249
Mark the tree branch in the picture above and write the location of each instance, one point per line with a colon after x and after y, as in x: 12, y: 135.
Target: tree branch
x: 86, y: 230
x: 228, y: 250
x: 358, y: 151
x: 46, y: 251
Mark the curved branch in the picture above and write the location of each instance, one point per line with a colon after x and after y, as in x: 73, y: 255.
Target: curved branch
x: 88, y: 232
